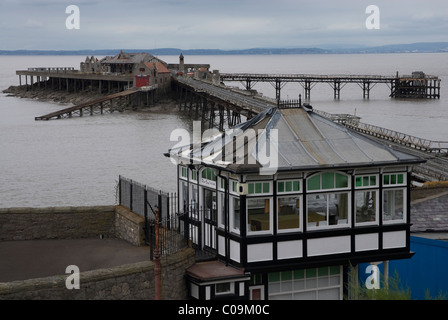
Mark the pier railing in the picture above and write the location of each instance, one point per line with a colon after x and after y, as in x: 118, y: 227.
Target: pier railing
x: 54, y: 70
x: 400, y: 138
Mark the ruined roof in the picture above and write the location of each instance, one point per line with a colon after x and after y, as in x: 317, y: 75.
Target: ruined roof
x: 306, y: 141
x: 125, y: 58
x: 161, y: 68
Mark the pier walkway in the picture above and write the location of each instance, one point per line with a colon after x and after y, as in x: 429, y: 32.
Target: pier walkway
x: 417, y: 85
x: 108, y: 104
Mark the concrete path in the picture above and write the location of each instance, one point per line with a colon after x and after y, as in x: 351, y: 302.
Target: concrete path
x: 21, y: 260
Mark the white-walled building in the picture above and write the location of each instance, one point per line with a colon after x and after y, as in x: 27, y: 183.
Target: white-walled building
x: 287, y: 223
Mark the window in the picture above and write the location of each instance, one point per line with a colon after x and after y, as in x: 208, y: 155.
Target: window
x: 394, y: 205
x: 288, y: 186
x: 366, y: 206
x: 327, y: 181
x: 259, y: 215
x: 289, y: 213
x: 330, y: 208
x: 208, y: 178
x: 222, y: 209
x: 194, y: 175
x: 327, y: 209
x: 393, y: 179
x: 366, y: 181
x: 224, y: 288
x: 235, y: 223
x: 306, y: 284
x: 209, y: 174
x: 257, y: 188
x: 184, y: 172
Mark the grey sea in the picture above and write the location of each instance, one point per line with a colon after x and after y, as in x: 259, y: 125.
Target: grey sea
x: 77, y: 161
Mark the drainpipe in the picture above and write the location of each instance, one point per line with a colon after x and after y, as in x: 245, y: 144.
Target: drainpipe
x: 157, y: 265
x: 226, y: 215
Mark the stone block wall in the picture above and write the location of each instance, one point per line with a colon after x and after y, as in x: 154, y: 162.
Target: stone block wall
x: 56, y: 223
x: 126, y: 282
x: 129, y: 226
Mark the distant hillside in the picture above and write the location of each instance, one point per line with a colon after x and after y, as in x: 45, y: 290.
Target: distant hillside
x: 429, y: 47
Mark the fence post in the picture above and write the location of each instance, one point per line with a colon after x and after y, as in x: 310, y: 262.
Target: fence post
x: 130, y: 194
x: 145, y: 211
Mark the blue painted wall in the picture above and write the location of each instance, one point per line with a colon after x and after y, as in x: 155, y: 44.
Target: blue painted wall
x: 426, y: 270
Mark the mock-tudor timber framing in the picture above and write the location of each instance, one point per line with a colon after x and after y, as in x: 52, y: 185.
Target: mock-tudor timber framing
x: 346, y: 201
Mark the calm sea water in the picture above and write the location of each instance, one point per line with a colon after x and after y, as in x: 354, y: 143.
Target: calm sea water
x: 77, y: 161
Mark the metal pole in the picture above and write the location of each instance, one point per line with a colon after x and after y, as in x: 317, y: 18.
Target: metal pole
x: 157, y: 265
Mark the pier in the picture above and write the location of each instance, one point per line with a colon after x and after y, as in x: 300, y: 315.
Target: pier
x: 133, y: 80
x: 108, y: 104
x: 418, y: 85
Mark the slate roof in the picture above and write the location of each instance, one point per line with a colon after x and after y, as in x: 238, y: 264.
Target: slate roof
x: 430, y: 214
x: 306, y: 141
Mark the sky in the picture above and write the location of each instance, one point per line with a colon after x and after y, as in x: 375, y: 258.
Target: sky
x: 213, y: 24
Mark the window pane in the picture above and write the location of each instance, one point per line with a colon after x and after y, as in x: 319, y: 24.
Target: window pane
x: 341, y: 181
x: 258, y: 214
x: 359, y: 181
x: 236, y: 213
x: 266, y: 187
x: 400, y: 178
x: 281, y: 187
x: 288, y: 213
x: 295, y: 186
x: 251, y: 188
x: 373, y: 180
x: 288, y: 186
x: 314, y: 183
x: 327, y: 180
x: 365, y: 204
x: 393, y: 205
x: 286, y: 275
x: 274, y: 277
x: 258, y: 188
x: 316, y: 210
x: 338, y: 209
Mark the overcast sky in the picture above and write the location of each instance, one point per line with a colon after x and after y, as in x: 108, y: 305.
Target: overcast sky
x: 213, y: 24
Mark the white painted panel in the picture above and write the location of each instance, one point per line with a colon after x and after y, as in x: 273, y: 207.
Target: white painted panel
x: 364, y: 242
x: 396, y: 239
x: 289, y: 249
x: 221, y: 245
x: 331, y: 245
x: 259, y: 252
x: 207, y: 293
x: 241, y: 288
x: 235, y: 251
x: 194, y: 290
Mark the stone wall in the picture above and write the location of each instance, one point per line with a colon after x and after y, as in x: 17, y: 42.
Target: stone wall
x: 129, y: 226
x: 126, y: 282
x: 56, y: 223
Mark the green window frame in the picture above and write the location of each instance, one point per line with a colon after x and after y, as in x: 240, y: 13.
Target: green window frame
x: 259, y: 188
x: 366, y: 181
x: 288, y: 186
x: 394, y: 179
x: 328, y: 181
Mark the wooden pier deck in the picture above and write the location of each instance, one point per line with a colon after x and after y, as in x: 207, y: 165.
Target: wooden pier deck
x: 109, y: 103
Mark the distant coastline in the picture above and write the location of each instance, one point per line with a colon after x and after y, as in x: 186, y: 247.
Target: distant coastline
x: 422, y: 47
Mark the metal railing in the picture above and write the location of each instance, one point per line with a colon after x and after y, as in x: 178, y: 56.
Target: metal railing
x: 144, y: 200
x: 400, y: 138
